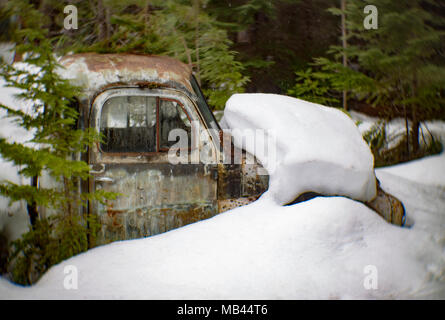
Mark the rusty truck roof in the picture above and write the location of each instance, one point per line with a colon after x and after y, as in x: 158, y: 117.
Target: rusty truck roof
x: 94, y: 71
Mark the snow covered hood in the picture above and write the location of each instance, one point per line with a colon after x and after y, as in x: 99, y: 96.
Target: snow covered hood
x: 318, y: 148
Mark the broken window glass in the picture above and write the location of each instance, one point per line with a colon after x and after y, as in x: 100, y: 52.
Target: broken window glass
x: 172, y: 116
x: 128, y: 124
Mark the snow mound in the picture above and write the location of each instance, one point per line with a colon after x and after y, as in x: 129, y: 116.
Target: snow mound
x: 318, y: 148
x: 429, y: 170
x: 325, y: 248
x: 319, y: 249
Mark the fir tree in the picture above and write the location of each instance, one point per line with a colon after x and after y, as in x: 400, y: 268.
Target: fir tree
x: 403, y: 56
x: 398, y: 67
x: 54, y: 150
x: 181, y: 29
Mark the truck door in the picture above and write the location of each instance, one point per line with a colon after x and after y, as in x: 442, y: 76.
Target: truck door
x: 133, y: 160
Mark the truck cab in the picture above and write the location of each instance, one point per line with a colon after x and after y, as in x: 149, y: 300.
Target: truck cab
x: 162, y: 150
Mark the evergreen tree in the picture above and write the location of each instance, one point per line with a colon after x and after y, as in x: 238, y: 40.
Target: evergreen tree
x: 403, y: 55
x: 197, y: 39
x: 399, y: 66
x: 314, y: 87
x: 54, y: 150
x: 178, y: 28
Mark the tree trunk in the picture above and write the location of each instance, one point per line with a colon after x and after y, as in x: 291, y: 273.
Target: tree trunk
x: 102, y: 17
x: 68, y: 198
x: 186, y: 49
x: 407, y: 129
x: 415, y: 131
x: 345, y: 45
x: 32, y: 207
x: 198, y: 67
x: 147, y: 14
x: 415, y: 119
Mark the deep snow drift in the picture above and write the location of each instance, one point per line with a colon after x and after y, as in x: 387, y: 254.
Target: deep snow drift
x: 316, y: 249
x: 321, y: 248
x: 318, y: 148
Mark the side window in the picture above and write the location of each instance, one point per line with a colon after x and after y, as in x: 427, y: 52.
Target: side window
x: 141, y: 123
x: 128, y: 124
x: 172, y: 116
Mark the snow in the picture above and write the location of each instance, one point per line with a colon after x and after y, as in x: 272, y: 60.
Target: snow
x: 430, y: 170
x: 318, y: 148
x: 318, y: 249
x: 78, y: 72
x: 13, y: 218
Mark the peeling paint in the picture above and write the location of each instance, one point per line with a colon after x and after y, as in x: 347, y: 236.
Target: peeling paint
x: 95, y: 72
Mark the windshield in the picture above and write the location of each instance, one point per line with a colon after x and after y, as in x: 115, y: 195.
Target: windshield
x: 209, y: 118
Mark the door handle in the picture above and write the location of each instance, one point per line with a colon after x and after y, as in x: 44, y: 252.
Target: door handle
x: 104, y: 179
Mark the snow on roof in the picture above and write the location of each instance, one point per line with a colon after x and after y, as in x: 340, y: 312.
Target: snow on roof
x: 318, y: 148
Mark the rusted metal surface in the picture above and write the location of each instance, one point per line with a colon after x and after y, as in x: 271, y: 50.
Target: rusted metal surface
x: 229, y: 204
x: 145, y: 222
x: 159, y: 196
x: 240, y: 184
x: 388, y: 207
x: 155, y: 198
x: 96, y: 72
x: 385, y: 205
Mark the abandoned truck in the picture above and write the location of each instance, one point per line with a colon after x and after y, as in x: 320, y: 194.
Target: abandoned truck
x: 135, y: 101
